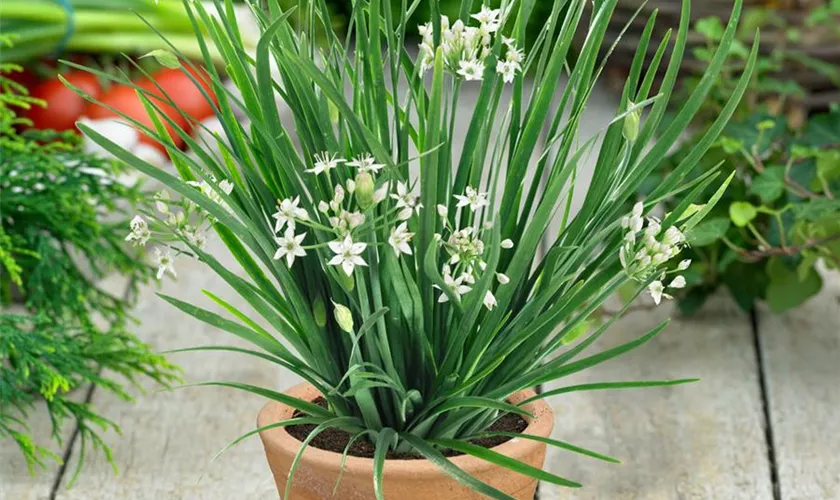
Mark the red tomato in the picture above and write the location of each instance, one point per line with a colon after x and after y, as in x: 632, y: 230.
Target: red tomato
x: 63, y: 106
x: 186, y: 95
x: 27, y: 78
x: 124, y: 99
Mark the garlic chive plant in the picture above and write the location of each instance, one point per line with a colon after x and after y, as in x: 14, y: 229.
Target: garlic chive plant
x: 398, y: 274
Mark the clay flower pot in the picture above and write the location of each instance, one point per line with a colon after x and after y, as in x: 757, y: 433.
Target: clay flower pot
x: 318, y: 470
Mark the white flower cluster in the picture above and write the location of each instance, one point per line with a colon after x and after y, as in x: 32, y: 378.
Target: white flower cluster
x: 183, y: 218
x: 465, y: 48
x: 358, y: 209
x: 344, y: 214
x: 465, y: 248
x: 645, y: 251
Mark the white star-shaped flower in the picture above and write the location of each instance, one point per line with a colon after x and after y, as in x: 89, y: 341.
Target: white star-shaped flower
x: 365, y: 163
x: 508, y: 70
x: 289, y: 246
x: 399, y: 239
x: 287, y: 212
x: 347, y: 254
x: 473, y: 199
x: 324, y: 163
x: 656, y: 290
x: 140, y: 233
x: 165, y: 263
x: 197, y: 238
x: 471, y: 69
x: 406, y: 201
x: 455, y: 285
x: 489, y: 18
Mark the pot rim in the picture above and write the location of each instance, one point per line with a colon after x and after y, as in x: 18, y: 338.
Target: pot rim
x: 281, y: 441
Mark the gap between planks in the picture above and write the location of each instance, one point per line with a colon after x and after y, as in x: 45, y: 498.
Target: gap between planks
x: 765, y: 402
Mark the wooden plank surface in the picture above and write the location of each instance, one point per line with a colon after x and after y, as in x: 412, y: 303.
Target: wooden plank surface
x: 801, y: 354
x: 700, y: 441
x: 170, y: 437
x: 16, y: 482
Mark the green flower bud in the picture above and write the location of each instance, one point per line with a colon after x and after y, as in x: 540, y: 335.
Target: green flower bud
x: 364, y: 190
x: 631, y: 123
x: 344, y: 317
x: 319, y: 310
x: 347, y: 281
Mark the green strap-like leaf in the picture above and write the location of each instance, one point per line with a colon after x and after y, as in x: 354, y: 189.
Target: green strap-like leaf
x: 609, y: 385
x: 296, y: 403
x: 386, y: 437
x: 553, y: 442
x: 505, y: 461
x: 450, y: 469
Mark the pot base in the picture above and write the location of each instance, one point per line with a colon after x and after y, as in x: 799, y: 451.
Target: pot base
x: 318, y: 469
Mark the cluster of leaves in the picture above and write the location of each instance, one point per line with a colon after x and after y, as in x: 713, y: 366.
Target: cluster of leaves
x: 397, y: 365
x: 62, y: 214
x: 781, y: 215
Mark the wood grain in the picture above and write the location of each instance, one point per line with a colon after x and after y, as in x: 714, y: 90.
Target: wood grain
x: 16, y: 481
x: 170, y: 437
x: 801, y: 352
x: 700, y: 441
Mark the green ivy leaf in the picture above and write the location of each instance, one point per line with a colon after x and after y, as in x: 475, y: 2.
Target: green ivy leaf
x: 828, y: 165
x: 770, y: 185
x: 731, y: 145
x: 786, y: 290
x: 164, y: 58
x: 729, y: 256
x: 822, y: 130
x: 710, y: 27
x: 816, y: 209
x: 806, y: 265
x: 742, y: 213
x: 708, y: 232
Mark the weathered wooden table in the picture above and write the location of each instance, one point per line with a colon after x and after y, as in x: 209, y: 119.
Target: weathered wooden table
x: 764, y: 422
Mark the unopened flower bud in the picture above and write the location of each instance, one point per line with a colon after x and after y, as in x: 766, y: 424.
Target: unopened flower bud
x: 442, y: 210
x: 631, y: 123
x: 319, y: 310
x: 364, y: 190
x: 344, y: 317
x: 684, y: 264
x: 507, y: 243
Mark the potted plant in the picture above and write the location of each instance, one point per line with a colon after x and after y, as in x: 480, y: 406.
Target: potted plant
x: 400, y: 277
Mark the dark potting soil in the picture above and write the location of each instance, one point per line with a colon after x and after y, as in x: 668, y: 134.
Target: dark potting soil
x: 336, y: 440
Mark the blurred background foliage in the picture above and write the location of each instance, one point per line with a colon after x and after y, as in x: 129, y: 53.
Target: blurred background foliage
x: 63, y: 215
x: 781, y: 217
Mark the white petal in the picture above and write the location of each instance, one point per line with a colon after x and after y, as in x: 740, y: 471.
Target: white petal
x: 678, y: 282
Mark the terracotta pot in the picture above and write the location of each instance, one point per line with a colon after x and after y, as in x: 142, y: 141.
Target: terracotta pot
x: 318, y: 469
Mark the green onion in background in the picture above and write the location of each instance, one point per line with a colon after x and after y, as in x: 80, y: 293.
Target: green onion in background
x: 50, y: 27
